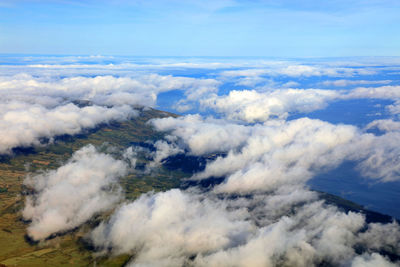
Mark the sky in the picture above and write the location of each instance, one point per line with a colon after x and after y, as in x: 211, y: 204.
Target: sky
x: 268, y: 28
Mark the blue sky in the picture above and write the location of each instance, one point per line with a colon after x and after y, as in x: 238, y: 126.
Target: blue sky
x: 286, y: 28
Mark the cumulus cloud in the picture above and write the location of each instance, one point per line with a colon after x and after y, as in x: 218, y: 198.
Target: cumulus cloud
x: 382, y: 92
x: 202, y: 229
x: 282, y: 153
x: 262, y: 105
x: 33, y: 107
x: 67, y: 197
x: 265, y: 156
x: 23, y: 124
x: 394, y: 108
x: 385, y: 236
x: 168, y: 228
x: 327, y: 236
x: 261, y: 214
x: 203, y: 136
x: 372, y: 260
x: 102, y: 90
x: 252, y: 106
x: 386, y: 125
x: 258, y: 106
x: 380, y: 156
x: 196, y: 93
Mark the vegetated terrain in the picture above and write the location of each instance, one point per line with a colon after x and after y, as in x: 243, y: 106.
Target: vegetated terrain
x: 16, y: 249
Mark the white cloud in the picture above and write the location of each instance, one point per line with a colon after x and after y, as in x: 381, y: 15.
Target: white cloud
x: 34, y: 107
x: 167, y: 228
x: 252, y: 106
x: 382, y: 92
x: 163, y: 151
x: 276, y: 221
x: 387, y: 125
x: 344, y: 83
x: 203, y: 137
x: 103, y: 90
x: 130, y: 155
x: 262, y: 214
x: 380, y: 156
x: 201, y: 229
x: 67, y: 197
x: 298, y: 70
x: 258, y: 106
x: 263, y: 157
x: 291, y: 84
x: 303, y: 239
x: 394, y: 108
x: 380, y: 235
x: 23, y: 124
x: 284, y: 153
x: 373, y: 260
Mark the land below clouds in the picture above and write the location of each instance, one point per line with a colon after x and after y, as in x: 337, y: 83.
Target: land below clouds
x: 70, y: 246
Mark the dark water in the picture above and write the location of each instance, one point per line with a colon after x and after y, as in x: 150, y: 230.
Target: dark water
x: 358, y: 112
x: 346, y: 182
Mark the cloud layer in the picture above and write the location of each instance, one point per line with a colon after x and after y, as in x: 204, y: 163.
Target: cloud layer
x: 257, y: 209
x: 262, y: 214
x: 201, y: 229
x: 282, y: 151
x: 35, y: 107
